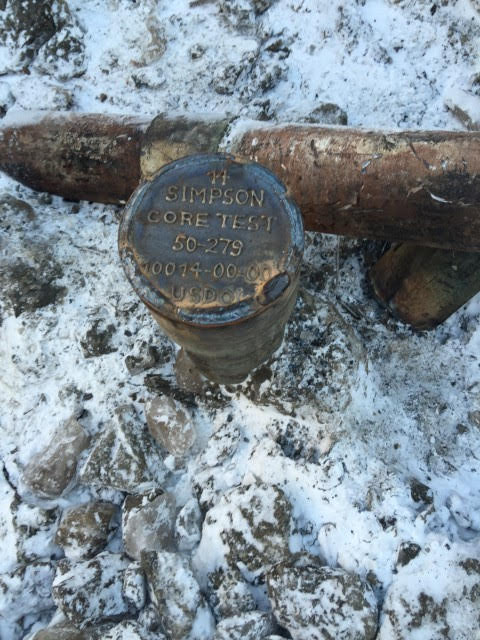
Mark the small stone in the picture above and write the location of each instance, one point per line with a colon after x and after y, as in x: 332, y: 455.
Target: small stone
x: 98, y: 340
x: 149, y: 618
x: 462, y: 512
x: 147, y: 523
x: 252, y: 524
x: 225, y: 78
x: 436, y: 595
x: 196, y: 51
x: 134, y: 587
x: 315, y: 603
x: 188, y: 526
x: 260, y: 6
x: 176, y: 594
x: 229, y: 594
x: 90, y: 592
x: 221, y: 445
x: 39, y: 30
x: 327, y: 113
x: 34, y: 530
x: 246, y: 626
x: 407, y: 552
x: 465, y: 106
x: 474, y: 417
x: 85, y: 530
x: 420, y: 492
x: 142, y: 361
x: 52, y: 470
x: 50, y: 96
x: 6, y: 99
x: 124, y: 457
x: 148, y: 78
x: 61, y: 631
x: 26, y: 589
x: 131, y: 630
x: 170, y: 424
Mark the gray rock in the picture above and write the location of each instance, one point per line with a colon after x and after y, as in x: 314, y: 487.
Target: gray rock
x: 85, y: 530
x: 246, y: 626
x: 134, y: 588
x: 40, y: 31
x: 124, y: 456
x: 26, y: 589
x: 141, y: 360
x: 97, y: 341
x: 421, y: 603
x: 6, y: 98
x: 170, y: 424
x: 131, y: 630
x: 315, y: 603
x: 188, y: 526
x: 52, y: 470
x: 252, y: 524
x: 61, y: 631
x: 34, y: 531
x: 51, y: 97
x: 176, y: 594
x: 225, y: 78
x: 90, y: 592
x: 196, y: 51
x: 228, y: 593
x: 221, y: 445
x: 148, y: 522
x: 31, y: 286
x: 327, y: 113
x: 149, y: 618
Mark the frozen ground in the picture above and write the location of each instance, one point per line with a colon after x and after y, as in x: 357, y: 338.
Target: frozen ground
x: 370, y: 429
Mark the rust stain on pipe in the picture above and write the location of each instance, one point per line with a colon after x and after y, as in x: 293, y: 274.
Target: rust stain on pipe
x: 80, y: 157
x: 421, y: 187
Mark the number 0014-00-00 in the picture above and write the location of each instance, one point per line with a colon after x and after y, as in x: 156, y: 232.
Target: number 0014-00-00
x: 250, y: 273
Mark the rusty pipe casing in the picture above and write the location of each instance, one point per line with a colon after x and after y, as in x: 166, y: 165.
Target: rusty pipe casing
x: 421, y: 187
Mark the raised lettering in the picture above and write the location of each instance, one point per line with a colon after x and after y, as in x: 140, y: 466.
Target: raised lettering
x: 241, y: 197
x: 218, y: 175
x: 172, y: 193
x: 154, y: 216
x: 186, y: 218
x: 252, y: 223
x: 227, y: 196
x: 224, y: 217
x: 238, y: 222
x: 201, y: 220
x: 178, y: 293
x: 258, y: 199
x: 170, y: 217
x: 215, y: 194
x: 198, y: 192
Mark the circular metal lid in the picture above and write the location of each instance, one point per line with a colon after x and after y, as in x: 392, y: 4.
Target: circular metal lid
x: 210, y: 240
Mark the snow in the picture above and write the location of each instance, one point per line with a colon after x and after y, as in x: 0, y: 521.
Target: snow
x: 401, y: 412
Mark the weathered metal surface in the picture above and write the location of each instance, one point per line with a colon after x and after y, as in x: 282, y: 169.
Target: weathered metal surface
x: 419, y: 187
x: 423, y: 286
x: 79, y: 156
x: 168, y: 139
x: 213, y: 247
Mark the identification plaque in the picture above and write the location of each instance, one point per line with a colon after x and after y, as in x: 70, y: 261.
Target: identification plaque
x: 213, y: 247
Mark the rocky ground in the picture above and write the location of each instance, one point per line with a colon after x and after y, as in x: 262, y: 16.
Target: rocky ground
x: 335, y: 494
